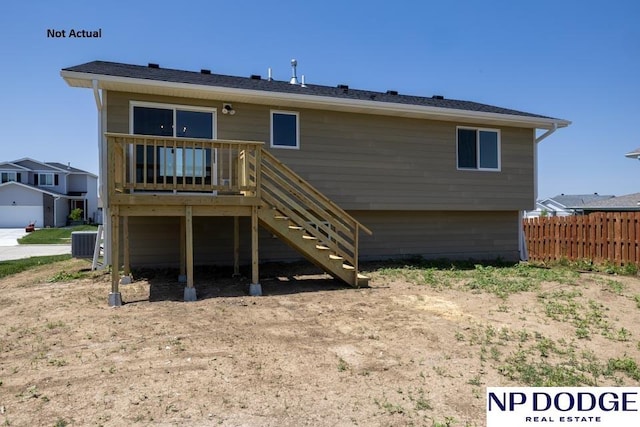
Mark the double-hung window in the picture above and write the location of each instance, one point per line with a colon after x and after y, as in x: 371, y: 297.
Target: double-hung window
x: 47, y: 180
x: 478, y: 149
x: 285, y: 129
x: 8, y: 177
x: 177, y: 121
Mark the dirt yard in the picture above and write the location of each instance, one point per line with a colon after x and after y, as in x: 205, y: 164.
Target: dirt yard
x: 405, y: 351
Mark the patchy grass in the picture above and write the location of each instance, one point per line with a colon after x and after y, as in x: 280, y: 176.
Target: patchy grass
x: 499, y: 278
x: 529, y: 357
x: 588, y: 265
x: 67, y: 276
x: 417, y: 347
x: 589, y: 318
x: 53, y: 236
x: 8, y: 268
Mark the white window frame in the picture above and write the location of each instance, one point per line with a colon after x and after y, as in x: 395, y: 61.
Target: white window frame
x: 9, y: 175
x: 53, y: 180
x: 290, y: 113
x: 499, y: 149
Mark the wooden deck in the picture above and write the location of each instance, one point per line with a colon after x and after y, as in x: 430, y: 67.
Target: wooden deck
x: 157, y: 176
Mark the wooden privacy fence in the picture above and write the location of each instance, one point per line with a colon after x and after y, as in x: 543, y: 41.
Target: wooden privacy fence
x: 598, y: 237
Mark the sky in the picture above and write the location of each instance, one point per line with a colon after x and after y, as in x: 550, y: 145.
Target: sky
x: 577, y: 60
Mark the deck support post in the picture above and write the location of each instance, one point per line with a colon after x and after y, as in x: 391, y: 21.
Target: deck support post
x: 189, y: 290
x: 236, y: 246
x: 255, y: 289
x: 126, y: 278
x: 182, y: 277
x: 115, y: 298
x: 356, y: 234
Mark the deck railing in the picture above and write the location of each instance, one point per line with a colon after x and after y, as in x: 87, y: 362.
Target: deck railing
x: 140, y: 163
x: 148, y: 164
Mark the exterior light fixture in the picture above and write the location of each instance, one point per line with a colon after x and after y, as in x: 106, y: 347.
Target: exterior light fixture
x: 228, y: 109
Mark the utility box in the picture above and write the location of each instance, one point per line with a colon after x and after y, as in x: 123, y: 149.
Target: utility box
x: 83, y: 243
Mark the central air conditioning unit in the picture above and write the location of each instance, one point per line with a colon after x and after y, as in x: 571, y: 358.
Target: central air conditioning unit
x: 83, y: 243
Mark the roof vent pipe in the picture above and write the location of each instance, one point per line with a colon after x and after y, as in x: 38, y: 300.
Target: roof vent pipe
x: 294, y: 78
x: 269, y: 73
x: 302, y: 84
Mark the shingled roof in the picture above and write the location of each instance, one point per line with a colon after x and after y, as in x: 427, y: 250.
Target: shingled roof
x: 628, y: 202
x: 68, y: 168
x: 578, y: 201
x: 255, y: 83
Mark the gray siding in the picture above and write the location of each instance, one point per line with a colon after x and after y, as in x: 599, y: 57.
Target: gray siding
x: 155, y: 242
x: 85, y: 184
x: 62, y: 212
x: 77, y: 183
x: 397, y: 176
x: 440, y: 234
x: 454, y: 235
x: 366, y: 162
x: 92, y: 197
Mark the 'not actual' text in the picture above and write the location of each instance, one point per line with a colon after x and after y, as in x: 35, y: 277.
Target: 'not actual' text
x: 74, y: 34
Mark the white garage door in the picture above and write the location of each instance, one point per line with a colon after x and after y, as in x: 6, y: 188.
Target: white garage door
x: 20, y: 216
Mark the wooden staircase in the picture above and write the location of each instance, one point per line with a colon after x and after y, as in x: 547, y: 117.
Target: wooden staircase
x: 247, y: 180
x: 308, y: 221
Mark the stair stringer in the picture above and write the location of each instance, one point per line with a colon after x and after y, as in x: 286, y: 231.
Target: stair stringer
x: 308, y: 248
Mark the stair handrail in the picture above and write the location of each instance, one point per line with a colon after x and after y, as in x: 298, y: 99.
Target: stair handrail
x: 335, y: 209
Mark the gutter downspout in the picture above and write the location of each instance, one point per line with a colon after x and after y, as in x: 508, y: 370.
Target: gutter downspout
x: 96, y: 94
x: 55, y: 214
x: 547, y: 133
x: 536, y: 141
x: 522, y: 242
x: 106, y: 218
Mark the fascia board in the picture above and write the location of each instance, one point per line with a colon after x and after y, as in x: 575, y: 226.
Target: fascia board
x: 77, y: 79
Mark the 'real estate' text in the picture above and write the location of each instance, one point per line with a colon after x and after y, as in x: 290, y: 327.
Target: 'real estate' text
x: 74, y: 34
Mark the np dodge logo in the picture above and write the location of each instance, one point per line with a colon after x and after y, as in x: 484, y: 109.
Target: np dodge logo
x: 542, y: 406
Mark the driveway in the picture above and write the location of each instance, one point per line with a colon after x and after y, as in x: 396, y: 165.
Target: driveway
x: 10, y: 236
x: 10, y: 249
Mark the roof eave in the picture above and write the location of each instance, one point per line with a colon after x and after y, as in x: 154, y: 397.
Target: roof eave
x: 78, y: 79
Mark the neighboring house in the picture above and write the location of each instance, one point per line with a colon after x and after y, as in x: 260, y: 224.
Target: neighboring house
x: 564, y: 204
x: 428, y: 176
x: 44, y: 193
x: 626, y: 203
x: 635, y: 154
